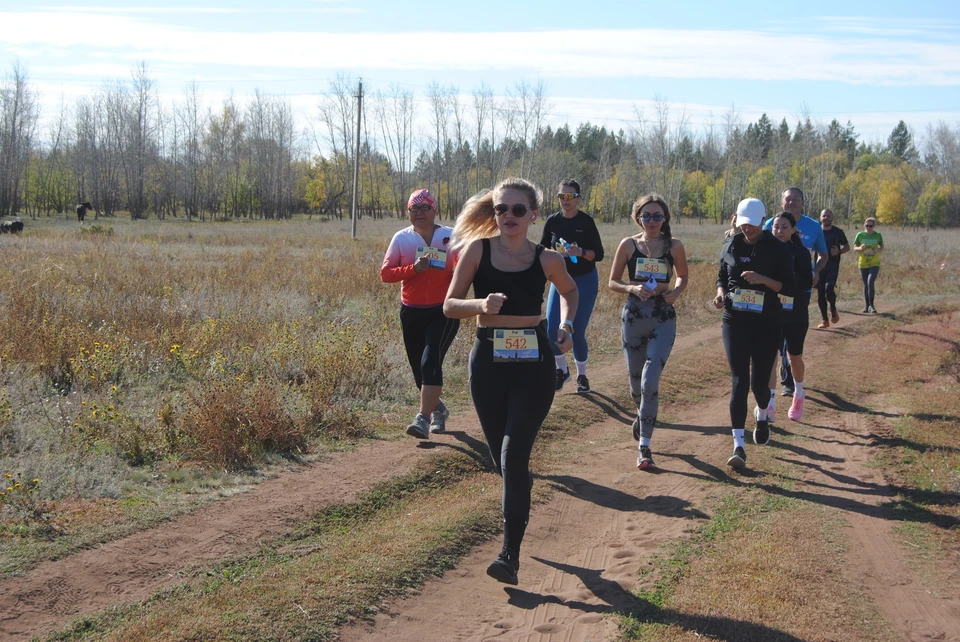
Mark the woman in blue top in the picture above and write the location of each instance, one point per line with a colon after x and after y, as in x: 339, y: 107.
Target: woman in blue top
x: 573, y: 234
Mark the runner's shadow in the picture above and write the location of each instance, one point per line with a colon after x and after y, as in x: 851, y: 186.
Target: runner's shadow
x: 611, y: 407
x: 703, y: 430
x: 618, y: 500
x: 474, y: 448
x: 618, y: 600
x: 836, y: 402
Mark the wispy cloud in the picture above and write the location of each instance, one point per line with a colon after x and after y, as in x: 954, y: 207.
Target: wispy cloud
x: 630, y: 53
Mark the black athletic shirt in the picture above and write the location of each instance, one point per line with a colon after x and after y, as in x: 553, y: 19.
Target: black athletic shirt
x: 769, y: 257
x: 835, y: 238
x: 580, y: 229
x: 524, y: 289
x: 637, y: 254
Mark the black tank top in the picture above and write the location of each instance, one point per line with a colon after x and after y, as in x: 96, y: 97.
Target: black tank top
x: 524, y: 289
x: 637, y: 254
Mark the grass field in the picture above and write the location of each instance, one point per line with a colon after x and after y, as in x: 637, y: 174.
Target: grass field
x: 149, y: 367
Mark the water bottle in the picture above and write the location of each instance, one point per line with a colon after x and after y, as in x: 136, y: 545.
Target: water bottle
x: 566, y: 246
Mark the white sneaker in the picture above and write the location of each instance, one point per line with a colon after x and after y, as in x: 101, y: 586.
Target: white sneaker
x: 420, y: 428
x: 438, y: 418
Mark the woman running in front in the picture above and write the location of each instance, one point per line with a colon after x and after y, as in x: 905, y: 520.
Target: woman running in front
x: 512, y: 370
x: 574, y: 234
x: 419, y: 257
x: 796, y: 319
x: 648, y: 321
x: 868, y: 244
x: 754, y: 269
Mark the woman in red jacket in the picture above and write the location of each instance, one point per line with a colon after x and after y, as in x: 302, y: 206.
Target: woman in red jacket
x: 419, y: 258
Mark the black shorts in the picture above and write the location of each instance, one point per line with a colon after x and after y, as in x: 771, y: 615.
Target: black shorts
x: 795, y: 324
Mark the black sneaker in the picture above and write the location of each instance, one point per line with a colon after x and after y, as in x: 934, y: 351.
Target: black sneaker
x: 761, y: 434
x: 583, y: 385
x: 786, y: 391
x: 645, y: 458
x: 738, y: 460
x: 504, y: 568
x: 562, y: 378
x: 866, y: 309
x: 636, y: 428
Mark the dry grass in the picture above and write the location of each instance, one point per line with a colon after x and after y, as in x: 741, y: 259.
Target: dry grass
x: 759, y: 573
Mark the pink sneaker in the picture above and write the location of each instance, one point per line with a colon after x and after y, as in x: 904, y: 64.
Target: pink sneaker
x: 796, y: 409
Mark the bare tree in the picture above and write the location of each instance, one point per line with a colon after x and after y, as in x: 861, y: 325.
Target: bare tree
x: 19, y: 114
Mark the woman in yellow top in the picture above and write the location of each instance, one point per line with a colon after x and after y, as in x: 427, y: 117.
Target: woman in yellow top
x: 868, y: 245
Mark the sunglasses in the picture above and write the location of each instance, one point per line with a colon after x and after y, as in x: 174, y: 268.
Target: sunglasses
x: 568, y: 196
x: 656, y: 218
x: 421, y: 208
x: 869, y: 225
x: 519, y: 210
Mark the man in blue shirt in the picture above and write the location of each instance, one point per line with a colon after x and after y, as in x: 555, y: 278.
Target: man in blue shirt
x: 811, y: 233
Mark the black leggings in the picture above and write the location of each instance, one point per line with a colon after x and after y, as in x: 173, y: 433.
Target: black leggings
x: 827, y: 293
x: 512, y: 400
x: 427, y: 336
x: 747, y: 340
x: 869, y: 276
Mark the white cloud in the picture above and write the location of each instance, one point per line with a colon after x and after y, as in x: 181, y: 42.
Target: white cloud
x: 628, y: 53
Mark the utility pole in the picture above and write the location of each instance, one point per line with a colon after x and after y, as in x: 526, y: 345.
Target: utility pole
x: 356, y: 163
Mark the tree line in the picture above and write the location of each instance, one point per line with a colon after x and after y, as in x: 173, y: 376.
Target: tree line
x: 125, y: 151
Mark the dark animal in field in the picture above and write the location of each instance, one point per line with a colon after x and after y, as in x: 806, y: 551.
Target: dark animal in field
x: 11, y: 227
x: 82, y: 211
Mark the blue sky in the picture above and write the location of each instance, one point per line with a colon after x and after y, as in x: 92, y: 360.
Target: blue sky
x: 872, y: 63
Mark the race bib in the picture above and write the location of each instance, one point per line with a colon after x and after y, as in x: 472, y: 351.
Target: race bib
x: 786, y: 302
x: 438, y: 257
x: 515, y: 345
x: 747, y: 300
x: 651, y: 269
x: 869, y: 252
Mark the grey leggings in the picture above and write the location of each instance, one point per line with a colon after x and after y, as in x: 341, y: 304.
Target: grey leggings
x: 648, y: 330
x: 869, y: 276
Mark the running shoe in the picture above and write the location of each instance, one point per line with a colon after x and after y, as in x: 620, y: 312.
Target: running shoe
x: 583, y: 384
x: 824, y: 325
x: 796, y: 409
x: 636, y: 428
x: 645, y: 458
x: 438, y: 418
x: 562, y: 378
x: 834, y: 316
x: 873, y: 309
x: 504, y: 568
x: 738, y: 460
x: 786, y: 391
x: 761, y: 434
x: 866, y: 309
x: 420, y: 428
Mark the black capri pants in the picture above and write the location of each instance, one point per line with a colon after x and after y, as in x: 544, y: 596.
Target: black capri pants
x: 512, y: 400
x: 427, y: 336
x: 755, y: 339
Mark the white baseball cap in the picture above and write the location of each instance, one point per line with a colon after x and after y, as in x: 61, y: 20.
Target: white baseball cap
x: 751, y: 211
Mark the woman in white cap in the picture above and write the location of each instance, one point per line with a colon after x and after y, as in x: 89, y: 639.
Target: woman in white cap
x: 419, y: 258
x: 754, y: 269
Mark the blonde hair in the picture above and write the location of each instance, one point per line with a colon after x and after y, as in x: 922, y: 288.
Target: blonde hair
x: 870, y: 219
x: 477, y: 219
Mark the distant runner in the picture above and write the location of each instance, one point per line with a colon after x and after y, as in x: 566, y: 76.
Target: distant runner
x: 837, y: 246
x: 869, y: 244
